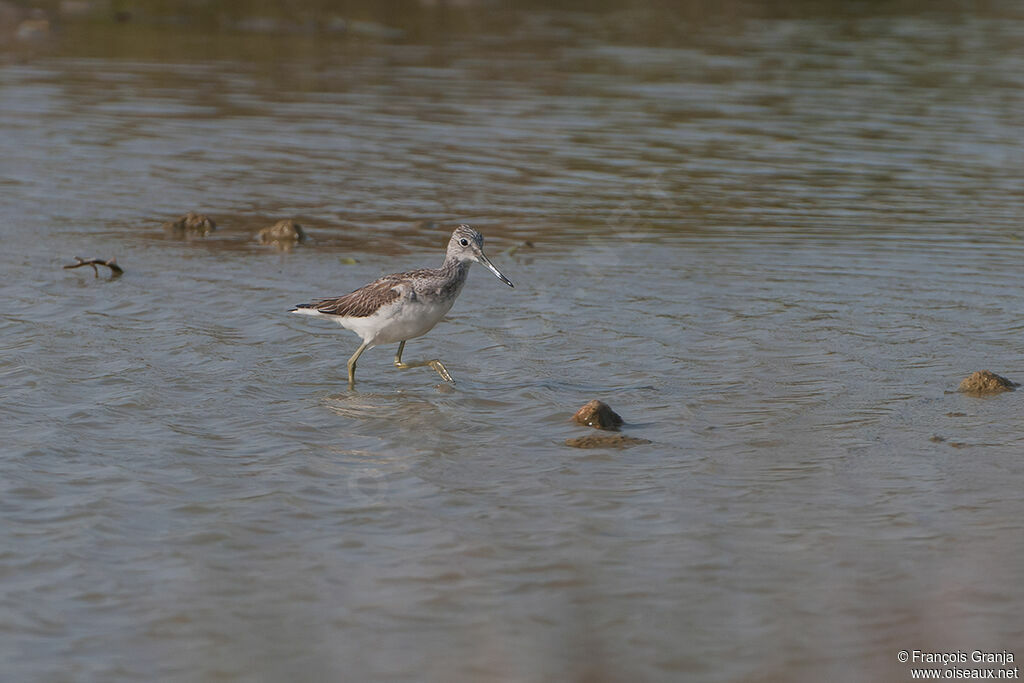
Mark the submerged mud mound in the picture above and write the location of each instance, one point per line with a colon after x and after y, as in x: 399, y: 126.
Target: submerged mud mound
x: 986, y: 382
x: 190, y: 225
x: 605, y: 441
x: 282, y: 234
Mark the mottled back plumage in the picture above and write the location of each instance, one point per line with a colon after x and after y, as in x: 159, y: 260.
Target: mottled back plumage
x: 360, y: 303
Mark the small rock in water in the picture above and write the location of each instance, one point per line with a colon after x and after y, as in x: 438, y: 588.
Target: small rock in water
x: 282, y: 233
x: 192, y: 224
x: 605, y: 441
x: 986, y: 382
x: 598, y: 415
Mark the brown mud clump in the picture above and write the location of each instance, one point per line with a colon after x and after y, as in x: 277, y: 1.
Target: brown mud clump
x: 282, y: 234
x: 190, y: 225
x: 985, y: 382
x: 605, y: 441
x: 598, y: 415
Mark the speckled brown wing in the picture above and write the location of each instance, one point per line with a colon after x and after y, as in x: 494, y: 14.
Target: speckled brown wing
x: 363, y: 302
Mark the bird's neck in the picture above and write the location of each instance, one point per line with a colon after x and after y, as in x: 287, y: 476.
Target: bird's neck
x: 454, y: 273
x: 455, y: 267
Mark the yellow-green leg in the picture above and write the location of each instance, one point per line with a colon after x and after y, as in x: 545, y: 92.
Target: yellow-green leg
x: 352, y: 364
x: 435, y: 363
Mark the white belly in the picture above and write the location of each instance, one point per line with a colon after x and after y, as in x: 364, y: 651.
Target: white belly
x: 397, y: 321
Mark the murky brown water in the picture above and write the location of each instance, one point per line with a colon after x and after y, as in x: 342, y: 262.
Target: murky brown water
x: 773, y: 244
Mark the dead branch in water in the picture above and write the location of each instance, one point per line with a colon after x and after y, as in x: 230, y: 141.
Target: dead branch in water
x: 115, y: 270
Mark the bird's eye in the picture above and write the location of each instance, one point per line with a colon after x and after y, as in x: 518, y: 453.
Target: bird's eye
x: 464, y: 242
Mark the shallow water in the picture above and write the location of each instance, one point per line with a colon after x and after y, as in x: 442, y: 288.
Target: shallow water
x: 774, y: 244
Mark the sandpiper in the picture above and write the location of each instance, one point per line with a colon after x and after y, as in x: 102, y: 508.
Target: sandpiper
x: 400, y: 307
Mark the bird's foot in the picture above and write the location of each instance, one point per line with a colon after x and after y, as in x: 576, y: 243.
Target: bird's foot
x: 441, y: 370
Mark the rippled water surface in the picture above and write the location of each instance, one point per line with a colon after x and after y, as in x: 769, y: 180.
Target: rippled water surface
x: 774, y: 244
